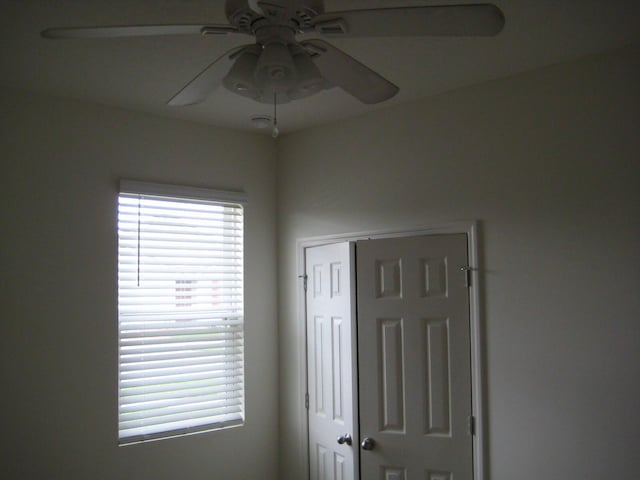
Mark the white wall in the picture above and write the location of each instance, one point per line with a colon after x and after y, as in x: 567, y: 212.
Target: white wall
x: 549, y: 163
x: 60, y: 163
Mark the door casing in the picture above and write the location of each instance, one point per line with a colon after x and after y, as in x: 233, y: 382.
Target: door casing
x: 470, y: 228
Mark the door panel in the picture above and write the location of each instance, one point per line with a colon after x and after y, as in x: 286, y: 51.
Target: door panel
x: 330, y: 364
x: 414, y: 358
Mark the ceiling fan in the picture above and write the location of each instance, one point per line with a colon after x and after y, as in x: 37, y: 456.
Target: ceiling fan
x: 279, y: 67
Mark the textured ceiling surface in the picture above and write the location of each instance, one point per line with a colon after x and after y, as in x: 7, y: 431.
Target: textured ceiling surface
x: 142, y: 74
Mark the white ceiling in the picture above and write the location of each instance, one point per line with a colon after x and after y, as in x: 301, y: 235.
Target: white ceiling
x: 143, y: 73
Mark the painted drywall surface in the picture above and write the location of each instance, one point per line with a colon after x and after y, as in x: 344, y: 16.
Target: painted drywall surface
x: 60, y: 163
x: 548, y: 162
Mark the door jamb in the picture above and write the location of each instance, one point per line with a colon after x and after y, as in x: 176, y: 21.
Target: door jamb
x: 470, y: 228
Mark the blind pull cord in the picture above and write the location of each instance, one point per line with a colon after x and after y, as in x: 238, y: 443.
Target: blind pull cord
x: 138, y: 259
x: 275, y: 131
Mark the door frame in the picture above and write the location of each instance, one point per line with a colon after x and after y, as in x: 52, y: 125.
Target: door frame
x: 470, y: 228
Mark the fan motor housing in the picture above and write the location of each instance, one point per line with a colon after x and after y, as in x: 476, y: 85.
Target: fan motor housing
x: 246, y: 15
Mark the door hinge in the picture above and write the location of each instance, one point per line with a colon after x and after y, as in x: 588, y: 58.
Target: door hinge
x: 467, y: 275
x: 472, y: 425
x: 304, y: 281
x: 306, y: 400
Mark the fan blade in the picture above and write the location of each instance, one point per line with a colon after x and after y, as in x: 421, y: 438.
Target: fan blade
x: 201, y: 86
x: 445, y: 20
x: 347, y: 73
x: 136, y: 31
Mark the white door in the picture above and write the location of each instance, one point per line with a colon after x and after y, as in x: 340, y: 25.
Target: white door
x: 331, y: 369
x: 414, y: 358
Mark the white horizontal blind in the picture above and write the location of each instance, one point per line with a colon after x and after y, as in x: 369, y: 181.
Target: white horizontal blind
x: 180, y: 302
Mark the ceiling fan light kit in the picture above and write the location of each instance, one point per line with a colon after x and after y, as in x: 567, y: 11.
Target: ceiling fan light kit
x: 280, y: 68
x: 310, y: 80
x: 288, y: 71
x: 240, y: 78
x: 275, y: 70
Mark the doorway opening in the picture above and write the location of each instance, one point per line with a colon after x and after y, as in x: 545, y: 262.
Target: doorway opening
x: 399, y: 376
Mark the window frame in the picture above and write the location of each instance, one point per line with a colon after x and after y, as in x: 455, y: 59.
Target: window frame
x: 193, y: 195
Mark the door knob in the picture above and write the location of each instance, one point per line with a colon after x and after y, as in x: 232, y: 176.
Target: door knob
x: 346, y: 438
x: 368, y: 443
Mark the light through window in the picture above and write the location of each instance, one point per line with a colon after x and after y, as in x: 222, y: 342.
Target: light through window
x: 180, y: 311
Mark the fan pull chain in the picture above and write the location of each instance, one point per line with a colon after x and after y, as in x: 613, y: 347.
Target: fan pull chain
x: 275, y: 131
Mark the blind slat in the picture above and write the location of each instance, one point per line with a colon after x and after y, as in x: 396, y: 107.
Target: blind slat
x: 140, y: 363
x: 216, y: 365
x: 151, y: 278
x: 173, y: 429
x: 189, y: 319
x: 171, y: 389
x: 177, y: 378
x: 180, y: 411
x: 191, y: 418
x: 161, y: 328
x: 162, y: 405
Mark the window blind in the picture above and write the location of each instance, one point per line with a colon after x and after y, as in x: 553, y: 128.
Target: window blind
x: 180, y: 312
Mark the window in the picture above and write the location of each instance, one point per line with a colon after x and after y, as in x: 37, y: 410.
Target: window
x: 180, y: 310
